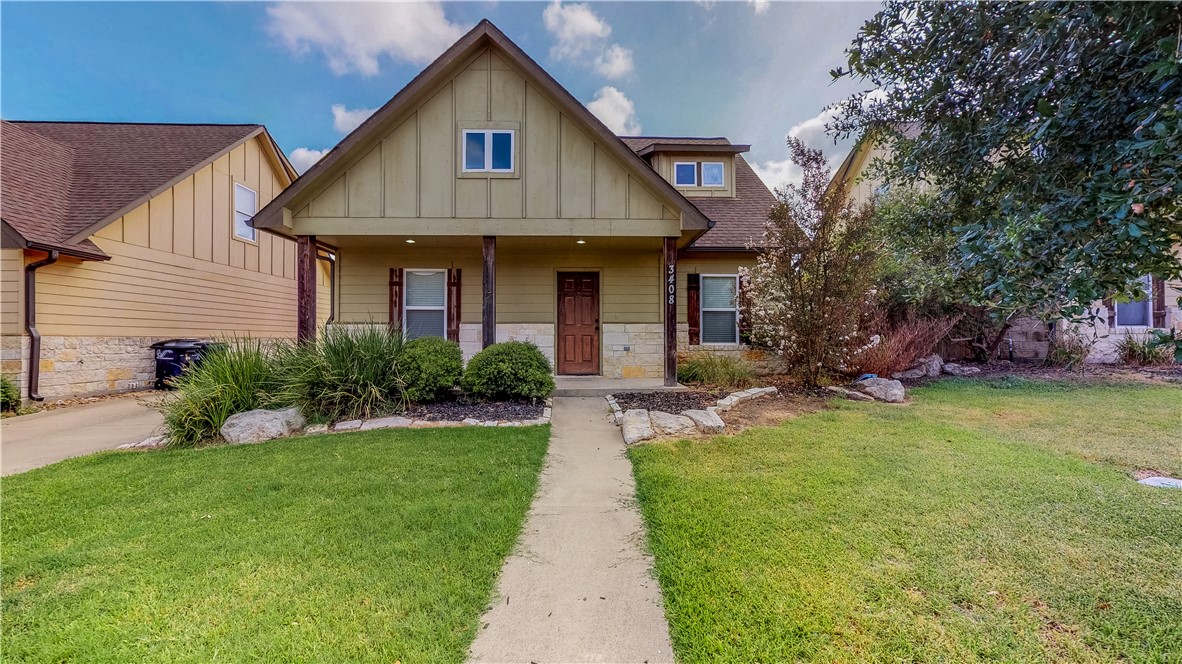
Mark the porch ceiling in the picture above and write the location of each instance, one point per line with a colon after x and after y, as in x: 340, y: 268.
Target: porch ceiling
x: 512, y: 244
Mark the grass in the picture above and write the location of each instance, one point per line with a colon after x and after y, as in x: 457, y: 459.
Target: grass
x: 372, y: 546
x: 975, y: 524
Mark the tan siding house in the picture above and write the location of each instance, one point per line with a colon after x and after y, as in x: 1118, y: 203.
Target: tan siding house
x: 145, y: 248
x: 484, y: 203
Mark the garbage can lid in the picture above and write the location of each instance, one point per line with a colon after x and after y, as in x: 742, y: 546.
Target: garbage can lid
x: 181, y: 343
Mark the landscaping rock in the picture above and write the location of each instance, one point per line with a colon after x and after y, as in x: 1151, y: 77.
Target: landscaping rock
x: 470, y: 422
x: 954, y: 369
x: 423, y: 424
x: 386, y: 423
x: 669, y: 424
x: 636, y: 426
x: 1162, y: 482
x: 883, y: 389
x: 314, y: 429
x: 348, y: 425
x: 255, y: 426
x: 849, y: 394
x: 726, y: 403
x: 932, y: 364
x: 149, y: 443
x: 910, y: 374
x: 707, y: 421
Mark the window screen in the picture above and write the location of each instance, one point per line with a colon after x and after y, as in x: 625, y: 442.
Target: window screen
x: 712, y: 174
x: 1136, y: 312
x: 426, y: 299
x: 245, y: 205
x: 720, y: 317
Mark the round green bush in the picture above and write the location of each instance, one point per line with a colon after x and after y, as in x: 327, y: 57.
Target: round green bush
x: 430, y: 367
x: 509, y: 370
x: 10, y: 396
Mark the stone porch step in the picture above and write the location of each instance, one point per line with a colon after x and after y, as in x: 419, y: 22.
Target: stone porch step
x: 598, y: 386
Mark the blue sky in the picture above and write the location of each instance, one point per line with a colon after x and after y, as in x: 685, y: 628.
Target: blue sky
x: 751, y: 71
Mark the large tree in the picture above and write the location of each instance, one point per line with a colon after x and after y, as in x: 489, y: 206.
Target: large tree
x: 1048, y: 133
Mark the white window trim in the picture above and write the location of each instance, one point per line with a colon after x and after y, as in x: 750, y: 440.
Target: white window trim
x: 488, y: 156
x: 1147, y: 302
x: 702, y: 309
x: 685, y: 163
x: 254, y: 232
x: 720, y: 185
x: 406, y: 307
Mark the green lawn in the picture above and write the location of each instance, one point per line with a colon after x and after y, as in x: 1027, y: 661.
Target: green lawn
x: 975, y: 524
x: 373, y: 546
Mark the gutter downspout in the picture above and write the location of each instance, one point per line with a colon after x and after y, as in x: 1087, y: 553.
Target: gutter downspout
x: 330, y: 258
x: 31, y: 323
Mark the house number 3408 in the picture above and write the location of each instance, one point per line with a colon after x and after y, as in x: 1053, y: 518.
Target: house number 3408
x: 671, y: 281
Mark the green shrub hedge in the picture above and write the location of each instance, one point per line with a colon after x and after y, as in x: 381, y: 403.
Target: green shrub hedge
x: 509, y: 370
x: 429, y: 368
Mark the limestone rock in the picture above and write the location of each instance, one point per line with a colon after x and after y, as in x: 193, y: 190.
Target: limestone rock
x: 669, y: 424
x: 255, y: 426
x: 1162, y: 482
x: 470, y: 421
x: 932, y: 364
x: 149, y: 443
x: 314, y: 429
x: 910, y: 374
x: 883, y: 389
x: 636, y: 426
x: 954, y: 369
x: 849, y: 394
x: 348, y: 425
x: 386, y: 423
x: 707, y: 421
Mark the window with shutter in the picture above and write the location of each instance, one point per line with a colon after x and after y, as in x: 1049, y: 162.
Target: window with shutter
x: 720, y: 314
x: 424, y: 303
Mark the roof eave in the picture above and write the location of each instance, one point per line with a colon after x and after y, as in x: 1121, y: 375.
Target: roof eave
x: 692, y: 148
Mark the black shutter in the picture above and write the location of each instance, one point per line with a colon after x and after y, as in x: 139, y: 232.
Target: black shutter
x: 453, y: 304
x: 396, y: 297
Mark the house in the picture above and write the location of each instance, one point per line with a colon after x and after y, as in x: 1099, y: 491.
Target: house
x: 1030, y: 338
x: 484, y: 203
x: 119, y: 235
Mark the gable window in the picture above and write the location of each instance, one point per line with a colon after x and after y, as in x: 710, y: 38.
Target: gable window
x: 1137, y: 312
x: 425, y: 308
x: 246, y: 203
x: 699, y: 174
x: 488, y: 150
x: 720, y: 310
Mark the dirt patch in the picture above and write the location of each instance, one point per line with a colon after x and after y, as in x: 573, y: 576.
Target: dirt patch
x: 457, y: 411
x: 772, y: 410
x: 1146, y: 473
x: 671, y: 402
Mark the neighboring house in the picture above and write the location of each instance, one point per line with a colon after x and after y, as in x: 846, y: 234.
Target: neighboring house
x: 484, y: 203
x: 1030, y: 337
x: 119, y: 235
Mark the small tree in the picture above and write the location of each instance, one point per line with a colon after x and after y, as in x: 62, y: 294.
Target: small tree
x: 811, y: 289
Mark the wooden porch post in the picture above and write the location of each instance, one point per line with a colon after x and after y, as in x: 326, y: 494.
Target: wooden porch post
x: 488, y: 307
x: 670, y: 298
x: 306, y: 288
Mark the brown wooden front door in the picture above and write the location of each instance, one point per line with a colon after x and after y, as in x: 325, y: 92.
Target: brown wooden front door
x: 578, y: 323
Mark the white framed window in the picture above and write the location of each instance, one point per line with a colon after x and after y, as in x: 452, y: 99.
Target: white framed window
x: 719, y: 298
x: 488, y: 150
x: 424, y: 303
x: 685, y: 173
x: 713, y: 174
x: 246, y: 204
x: 1138, y: 313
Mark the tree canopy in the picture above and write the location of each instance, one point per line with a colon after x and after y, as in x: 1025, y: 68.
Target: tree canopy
x: 1049, y: 135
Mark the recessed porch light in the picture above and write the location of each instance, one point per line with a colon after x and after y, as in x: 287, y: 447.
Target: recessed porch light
x: 410, y: 241
x: 580, y: 241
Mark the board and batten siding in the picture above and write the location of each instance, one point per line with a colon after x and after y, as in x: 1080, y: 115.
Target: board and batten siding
x: 413, y: 170
x: 12, y: 291
x: 177, y: 269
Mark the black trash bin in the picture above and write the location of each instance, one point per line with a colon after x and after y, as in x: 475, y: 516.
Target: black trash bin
x: 175, y: 355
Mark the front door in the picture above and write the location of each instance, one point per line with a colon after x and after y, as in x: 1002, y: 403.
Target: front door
x: 578, y: 323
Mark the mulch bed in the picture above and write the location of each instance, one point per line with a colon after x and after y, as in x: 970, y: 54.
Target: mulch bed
x: 670, y: 402
x: 457, y: 411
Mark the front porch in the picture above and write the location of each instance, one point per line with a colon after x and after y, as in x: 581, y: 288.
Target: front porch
x: 598, y: 386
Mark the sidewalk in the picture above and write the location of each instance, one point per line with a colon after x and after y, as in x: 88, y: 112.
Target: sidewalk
x: 580, y: 586
x: 39, y: 439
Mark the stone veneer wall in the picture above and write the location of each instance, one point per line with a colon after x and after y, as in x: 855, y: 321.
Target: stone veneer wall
x: 82, y: 366
x: 540, y: 334
x: 633, y: 350
x: 765, y: 363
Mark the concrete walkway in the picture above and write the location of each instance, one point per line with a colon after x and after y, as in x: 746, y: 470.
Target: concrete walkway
x: 32, y: 441
x: 580, y: 586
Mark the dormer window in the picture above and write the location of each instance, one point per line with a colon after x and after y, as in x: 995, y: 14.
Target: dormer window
x: 699, y: 174
x: 488, y: 150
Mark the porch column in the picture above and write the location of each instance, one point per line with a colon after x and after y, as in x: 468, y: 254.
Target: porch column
x: 670, y: 297
x: 488, y: 305
x: 306, y: 287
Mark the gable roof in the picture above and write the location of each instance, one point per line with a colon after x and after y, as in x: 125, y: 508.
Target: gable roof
x: 738, y: 221
x: 60, y: 182
x: 482, y: 36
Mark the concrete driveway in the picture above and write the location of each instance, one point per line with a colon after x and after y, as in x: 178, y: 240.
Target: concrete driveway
x: 32, y: 441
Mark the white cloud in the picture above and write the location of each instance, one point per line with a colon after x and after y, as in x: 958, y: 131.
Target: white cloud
x: 760, y: 6
x: 352, y: 35
x: 812, y: 130
x: 303, y: 158
x: 345, y: 120
x: 778, y: 173
x: 615, y: 110
x: 580, y: 35
x: 615, y: 62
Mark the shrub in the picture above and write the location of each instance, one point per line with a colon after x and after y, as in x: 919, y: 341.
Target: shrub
x: 1069, y: 349
x: 348, y: 372
x: 715, y: 369
x: 1141, y: 351
x: 10, y: 396
x: 232, y: 378
x: 509, y: 370
x: 429, y: 368
x: 901, y: 344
